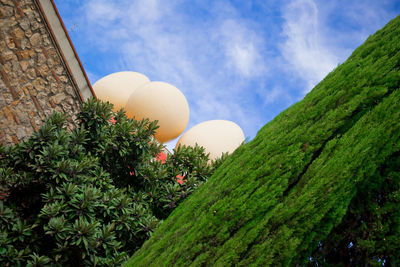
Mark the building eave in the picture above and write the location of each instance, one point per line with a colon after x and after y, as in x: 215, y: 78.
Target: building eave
x: 66, y: 49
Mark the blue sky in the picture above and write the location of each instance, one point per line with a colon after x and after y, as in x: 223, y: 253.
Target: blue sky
x: 244, y: 61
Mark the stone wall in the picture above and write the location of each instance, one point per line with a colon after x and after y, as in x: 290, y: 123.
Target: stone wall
x: 34, y: 79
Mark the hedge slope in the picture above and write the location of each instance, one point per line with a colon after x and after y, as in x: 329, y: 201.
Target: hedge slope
x: 318, y: 184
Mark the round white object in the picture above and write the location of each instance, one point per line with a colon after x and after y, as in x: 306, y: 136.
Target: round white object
x: 117, y: 87
x: 216, y: 136
x: 163, y: 102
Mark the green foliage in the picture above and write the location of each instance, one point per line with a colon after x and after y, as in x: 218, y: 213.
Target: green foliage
x: 318, y: 185
x: 90, y: 196
x: 369, y: 233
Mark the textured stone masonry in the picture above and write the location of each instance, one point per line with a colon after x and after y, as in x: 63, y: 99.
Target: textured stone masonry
x: 34, y: 81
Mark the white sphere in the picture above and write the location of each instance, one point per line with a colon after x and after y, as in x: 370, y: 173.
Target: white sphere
x: 216, y: 136
x: 163, y: 102
x: 117, y: 87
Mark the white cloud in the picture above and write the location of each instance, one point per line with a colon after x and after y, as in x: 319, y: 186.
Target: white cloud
x: 241, y: 47
x: 102, y: 12
x: 145, y: 11
x: 305, y: 48
x: 243, y: 57
x: 270, y: 96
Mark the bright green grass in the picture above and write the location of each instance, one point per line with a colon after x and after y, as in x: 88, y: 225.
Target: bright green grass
x: 277, y: 197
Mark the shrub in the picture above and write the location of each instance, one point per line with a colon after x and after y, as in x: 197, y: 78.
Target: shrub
x: 92, y: 195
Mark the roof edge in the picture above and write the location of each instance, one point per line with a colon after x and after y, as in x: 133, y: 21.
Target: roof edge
x: 66, y: 48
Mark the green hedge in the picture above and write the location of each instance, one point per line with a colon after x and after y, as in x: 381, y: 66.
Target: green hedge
x: 318, y: 185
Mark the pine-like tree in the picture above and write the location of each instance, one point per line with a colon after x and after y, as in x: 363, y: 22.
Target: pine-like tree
x: 318, y: 185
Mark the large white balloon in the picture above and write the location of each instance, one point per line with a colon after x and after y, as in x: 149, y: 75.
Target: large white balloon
x: 216, y: 136
x: 163, y: 102
x: 117, y: 87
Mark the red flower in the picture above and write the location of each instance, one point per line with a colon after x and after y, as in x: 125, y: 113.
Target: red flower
x: 161, y: 157
x: 113, y: 120
x: 180, y: 179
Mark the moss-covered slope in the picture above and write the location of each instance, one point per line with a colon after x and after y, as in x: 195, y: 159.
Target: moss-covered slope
x: 324, y: 169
